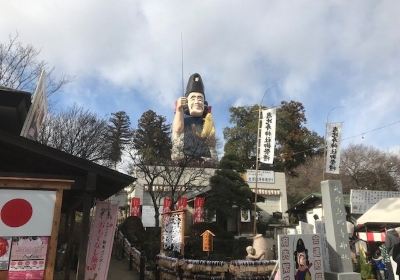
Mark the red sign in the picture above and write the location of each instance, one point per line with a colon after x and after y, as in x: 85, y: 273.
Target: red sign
x: 167, y: 204
x: 135, y: 207
x: 198, y: 210
x: 182, y: 203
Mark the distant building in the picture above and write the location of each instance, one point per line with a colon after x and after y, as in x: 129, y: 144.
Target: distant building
x: 271, y: 191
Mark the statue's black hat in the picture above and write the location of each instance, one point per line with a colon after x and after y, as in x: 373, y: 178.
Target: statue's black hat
x: 195, y: 84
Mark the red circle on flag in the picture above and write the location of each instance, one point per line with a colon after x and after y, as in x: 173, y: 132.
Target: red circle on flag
x: 16, y: 212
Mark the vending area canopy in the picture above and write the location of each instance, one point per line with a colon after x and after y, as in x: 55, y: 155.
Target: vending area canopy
x: 385, y: 212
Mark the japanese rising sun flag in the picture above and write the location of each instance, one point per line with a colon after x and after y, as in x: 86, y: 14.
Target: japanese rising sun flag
x: 26, y: 212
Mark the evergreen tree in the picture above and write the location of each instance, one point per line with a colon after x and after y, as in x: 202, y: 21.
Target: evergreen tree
x: 151, y: 140
x: 150, y: 149
x: 118, y: 135
x: 294, y: 142
x: 241, y: 139
x: 228, y: 188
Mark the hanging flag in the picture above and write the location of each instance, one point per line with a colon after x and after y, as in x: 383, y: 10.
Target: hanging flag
x: 167, y: 204
x: 101, y: 238
x: 267, y: 138
x: 37, y: 111
x: 198, y: 210
x: 135, y: 207
x: 26, y: 213
x: 182, y: 202
x: 333, y: 137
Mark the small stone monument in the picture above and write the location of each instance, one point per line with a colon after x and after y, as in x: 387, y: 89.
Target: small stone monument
x: 336, y: 232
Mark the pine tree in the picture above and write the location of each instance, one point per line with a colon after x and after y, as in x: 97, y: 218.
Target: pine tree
x: 151, y: 140
x: 118, y: 135
x: 150, y: 150
x: 228, y: 188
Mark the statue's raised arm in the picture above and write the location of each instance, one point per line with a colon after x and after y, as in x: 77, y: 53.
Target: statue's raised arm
x: 193, y: 131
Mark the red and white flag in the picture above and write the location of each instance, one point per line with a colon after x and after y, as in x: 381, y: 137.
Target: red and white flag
x: 26, y: 212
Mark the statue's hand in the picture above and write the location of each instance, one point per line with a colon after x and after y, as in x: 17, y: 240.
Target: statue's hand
x: 181, y: 103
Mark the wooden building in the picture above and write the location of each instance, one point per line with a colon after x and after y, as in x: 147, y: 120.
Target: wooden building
x: 27, y: 164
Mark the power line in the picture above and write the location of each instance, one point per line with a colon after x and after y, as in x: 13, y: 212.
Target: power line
x: 350, y: 137
x: 371, y: 130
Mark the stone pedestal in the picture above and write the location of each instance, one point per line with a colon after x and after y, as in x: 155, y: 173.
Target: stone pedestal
x: 342, y: 276
x: 336, y: 232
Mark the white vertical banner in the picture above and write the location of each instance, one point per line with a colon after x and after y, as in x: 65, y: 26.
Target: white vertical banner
x: 267, y: 138
x: 37, y: 111
x: 333, y: 137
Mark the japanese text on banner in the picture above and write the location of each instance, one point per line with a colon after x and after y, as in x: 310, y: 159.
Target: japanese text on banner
x: 333, y: 136
x: 267, y: 138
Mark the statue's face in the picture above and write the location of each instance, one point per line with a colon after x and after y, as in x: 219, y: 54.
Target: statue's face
x: 196, y: 104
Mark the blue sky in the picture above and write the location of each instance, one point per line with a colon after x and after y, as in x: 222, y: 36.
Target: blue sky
x: 339, y: 58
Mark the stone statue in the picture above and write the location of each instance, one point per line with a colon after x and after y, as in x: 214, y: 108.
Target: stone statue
x: 193, y: 131
x: 251, y: 254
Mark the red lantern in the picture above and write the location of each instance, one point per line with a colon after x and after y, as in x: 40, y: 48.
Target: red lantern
x: 3, y: 246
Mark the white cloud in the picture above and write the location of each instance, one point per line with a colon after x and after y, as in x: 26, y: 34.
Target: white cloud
x: 240, y: 48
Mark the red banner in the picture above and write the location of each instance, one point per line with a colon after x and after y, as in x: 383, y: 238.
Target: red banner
x: 198, y: 210
x: 167, y: 204
x: 182, y: 202
x: 135, y: 207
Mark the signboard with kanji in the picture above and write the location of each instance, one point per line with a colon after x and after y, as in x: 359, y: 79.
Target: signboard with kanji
x: 300, y: 257
x: 207, y: 241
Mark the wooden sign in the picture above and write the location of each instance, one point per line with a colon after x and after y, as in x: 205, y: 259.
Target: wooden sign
x: 207, y: 240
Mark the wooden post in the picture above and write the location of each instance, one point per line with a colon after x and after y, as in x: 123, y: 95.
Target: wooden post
x: 87, y: 204
x: 207, y: 241
x: 52, y: 250
x: 69, y: 251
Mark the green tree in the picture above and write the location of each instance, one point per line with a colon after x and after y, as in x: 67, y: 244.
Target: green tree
x: 228, y: 189
x: 242, y: 137
x: 150, y: 152
x: 118, y: 136
x: 151, y: 140
x: 294, y: 142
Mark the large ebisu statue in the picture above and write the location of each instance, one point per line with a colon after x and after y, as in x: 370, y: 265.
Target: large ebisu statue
x: 193, y: 131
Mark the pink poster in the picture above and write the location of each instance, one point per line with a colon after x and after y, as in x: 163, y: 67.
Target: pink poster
x: 101, y: 239
x: 5, y: 249
x: 28, y: 258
